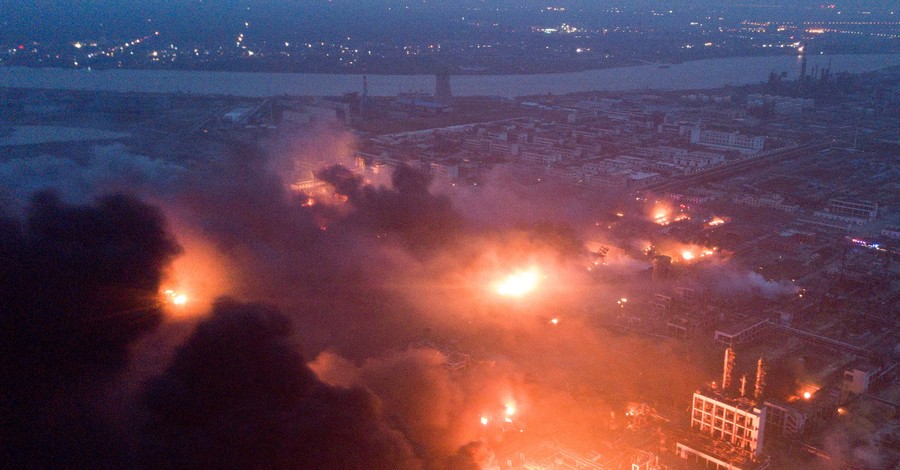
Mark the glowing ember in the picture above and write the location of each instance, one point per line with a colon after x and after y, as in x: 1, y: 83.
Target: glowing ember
x: 715, y: 221
x: 687, y: 255
x: 519, y: 283
x: 807, y: 395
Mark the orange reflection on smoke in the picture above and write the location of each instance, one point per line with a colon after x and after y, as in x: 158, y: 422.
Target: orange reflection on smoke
x: 195, y: 279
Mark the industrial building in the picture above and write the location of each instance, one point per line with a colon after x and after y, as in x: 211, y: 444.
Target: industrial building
x: 738, y: 422
x: 728, y: 428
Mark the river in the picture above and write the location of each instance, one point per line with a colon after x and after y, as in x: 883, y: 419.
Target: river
x: 700, y: 74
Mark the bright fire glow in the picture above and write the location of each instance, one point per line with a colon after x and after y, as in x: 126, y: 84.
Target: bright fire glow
x: 715, y: 221
x: 194, y: 279
x: 510, y: 409
x: 519, y: 283
x: 687, y: 255
x: 807, y: 395
x: 484, y: 421
x: 175, y: 298
x: 555, y: 321
x: 663, y: 214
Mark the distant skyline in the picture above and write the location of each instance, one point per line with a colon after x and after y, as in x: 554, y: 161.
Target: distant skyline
x: 44, y: 21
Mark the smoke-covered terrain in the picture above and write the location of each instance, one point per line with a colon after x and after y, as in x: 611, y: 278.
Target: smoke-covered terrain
x: 358, y: 327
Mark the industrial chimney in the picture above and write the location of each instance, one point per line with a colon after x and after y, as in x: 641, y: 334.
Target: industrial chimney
x: 760, y: 378
x: 727, y: 368
x: 442, y: 93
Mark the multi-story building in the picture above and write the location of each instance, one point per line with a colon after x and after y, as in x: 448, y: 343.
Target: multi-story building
x: 727, y: 140
x: 728, y: 428
x: 773, y: 201
x: 696, y: 160
x: 891, y: 232
x: 854, y: 212
x: 738, y: 422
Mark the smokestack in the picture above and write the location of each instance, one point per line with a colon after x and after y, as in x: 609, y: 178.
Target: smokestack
x: 442, y: 93
x: 365, y: 98
x: 743, y: 385
x: 760, y: 378
x: 727, y: 368
x: 803, y: 68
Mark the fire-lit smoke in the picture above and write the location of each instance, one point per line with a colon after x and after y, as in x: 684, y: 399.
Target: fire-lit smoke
x: 196, y: 278
x: 436, y: 341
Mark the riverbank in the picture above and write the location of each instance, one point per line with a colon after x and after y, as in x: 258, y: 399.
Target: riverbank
x: 701, y: 74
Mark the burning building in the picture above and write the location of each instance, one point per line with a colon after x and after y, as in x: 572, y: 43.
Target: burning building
x: 728, y: 430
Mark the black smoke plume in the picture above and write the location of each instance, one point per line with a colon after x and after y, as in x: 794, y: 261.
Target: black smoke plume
x: 239, y: 394
x: 78, y: 284
x: 408, y: 208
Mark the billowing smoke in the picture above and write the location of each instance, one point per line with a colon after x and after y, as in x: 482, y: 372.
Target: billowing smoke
x: 78, y: 284
x: 108, y: 169
x: 389, y: 290
x: 407, y: 209
x: 472, y: 456
x: 238, y: 394
x: 853, y: 440
x: 727, y: 281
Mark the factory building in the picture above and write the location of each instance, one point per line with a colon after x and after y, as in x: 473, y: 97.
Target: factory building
x: 727, y: 430
x: 738, y: 422
x: 783, y: 418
